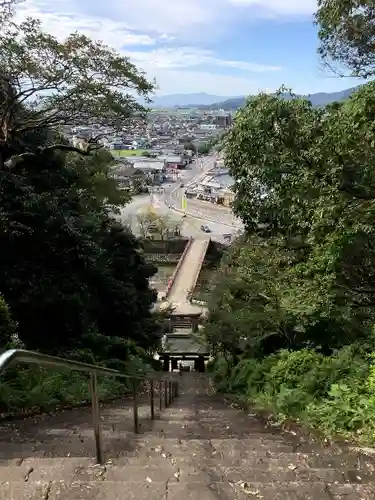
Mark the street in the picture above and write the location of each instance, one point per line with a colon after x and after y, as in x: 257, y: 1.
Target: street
x: 220, y: 220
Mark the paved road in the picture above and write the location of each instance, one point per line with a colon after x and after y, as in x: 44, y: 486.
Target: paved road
x: 219, y: 219
x: 199, y: 448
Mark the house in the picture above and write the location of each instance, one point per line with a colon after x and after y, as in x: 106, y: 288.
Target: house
x: 128, y: 177
x: 154, y: 170
x: 175, y: 162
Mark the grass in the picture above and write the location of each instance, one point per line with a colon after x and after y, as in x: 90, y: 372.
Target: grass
x: 126, y: 152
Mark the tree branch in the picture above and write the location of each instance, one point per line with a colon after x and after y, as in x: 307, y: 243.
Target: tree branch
x: 16, y: 159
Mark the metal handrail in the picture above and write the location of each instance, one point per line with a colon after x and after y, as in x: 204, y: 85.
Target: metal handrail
x: 169, y: 387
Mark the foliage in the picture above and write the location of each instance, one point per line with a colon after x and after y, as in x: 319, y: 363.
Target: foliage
x: 73, y: 280
x: 71, y: 275
x: 332, y: 393
x: 31, y: 388
x: 201, y: 149
x: 96, y: 184
x: 150, y: 223
x: 244, y: 284
x: 84, y: 265
x: 48, y: 83
x: 204, y: 149
x: 346, y: 33
x: 190, y: 146
x: 305, y: 191
x: 7, y: 325
x: 292, y: 314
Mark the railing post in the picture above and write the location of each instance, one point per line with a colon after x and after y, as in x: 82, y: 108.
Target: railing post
x: 152, y: 399
x: 160, y: 395
x: 170, y: 392
x: 96, y: 416
x: 135, y: 406
x: 165, y: 393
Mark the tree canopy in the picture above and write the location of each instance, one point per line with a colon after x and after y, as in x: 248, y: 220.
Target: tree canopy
x: 291, y: 318
x: 346, y: 32
x: 305, y: 191
x: 71, y: 276
x: 47, y: 83
x: 163, y: 226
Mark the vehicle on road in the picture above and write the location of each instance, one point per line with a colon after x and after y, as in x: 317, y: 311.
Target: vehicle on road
x: 182, y: 185
x: 205, y: 229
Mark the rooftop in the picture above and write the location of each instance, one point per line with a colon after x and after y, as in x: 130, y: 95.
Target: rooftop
x: 149, y: 165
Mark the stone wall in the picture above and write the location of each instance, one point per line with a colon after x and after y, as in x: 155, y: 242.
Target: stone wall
x: 174, y: 246
x: 163, y: 258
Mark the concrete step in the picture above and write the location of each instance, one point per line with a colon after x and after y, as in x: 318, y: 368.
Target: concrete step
x: 171, y: 468
x: 198, y: 449
x: 131, y: 490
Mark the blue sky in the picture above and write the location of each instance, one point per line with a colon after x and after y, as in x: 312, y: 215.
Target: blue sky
x: 222, y: 47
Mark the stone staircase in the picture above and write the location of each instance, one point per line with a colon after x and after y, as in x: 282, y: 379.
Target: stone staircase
x: 198, y: 448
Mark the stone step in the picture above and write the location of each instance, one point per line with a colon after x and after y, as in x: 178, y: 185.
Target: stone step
x: 135, y: 490
x: 161, y: 465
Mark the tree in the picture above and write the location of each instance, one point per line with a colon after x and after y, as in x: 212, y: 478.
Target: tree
x: 50, y: 84
x: 204, y: 149
x: 346, y: 33
x: 150, y: 223
x: 123, y: 278
x: 246, y: 312
x: 189, y: 146
x: 304, y: 186
x: 269, y: 152
x: 95, y: 182
x: 67, y: 267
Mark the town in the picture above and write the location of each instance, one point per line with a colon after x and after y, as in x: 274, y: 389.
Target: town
x: 157, y: 149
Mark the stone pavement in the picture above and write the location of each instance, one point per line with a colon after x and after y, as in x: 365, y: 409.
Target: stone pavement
x: 198, y: 448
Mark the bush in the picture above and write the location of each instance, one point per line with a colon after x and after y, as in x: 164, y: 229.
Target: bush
x: 7, y: 325
x: 335, y: 394
x: 28, y: 389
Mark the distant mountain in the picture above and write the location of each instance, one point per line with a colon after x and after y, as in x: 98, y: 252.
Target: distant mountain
x: 319, y: 99
x: 186, y: 100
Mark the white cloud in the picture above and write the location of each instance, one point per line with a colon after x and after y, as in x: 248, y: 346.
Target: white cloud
x: 185, y: 57
x: 279, y: 7
x: 151, y: 23
x: 62, y: 23
x: 166, y: 16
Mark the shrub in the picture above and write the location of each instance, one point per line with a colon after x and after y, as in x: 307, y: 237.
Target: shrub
x: 32, y: 388
x: 333, y: 393
x: 7, y: 325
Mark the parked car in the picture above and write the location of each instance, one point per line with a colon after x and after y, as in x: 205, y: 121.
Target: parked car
x: 205, y: 229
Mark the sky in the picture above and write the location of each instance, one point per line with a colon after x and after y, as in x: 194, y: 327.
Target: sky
x: 221, y: 47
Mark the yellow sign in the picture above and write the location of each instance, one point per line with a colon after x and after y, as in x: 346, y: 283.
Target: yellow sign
x: 151, y: 209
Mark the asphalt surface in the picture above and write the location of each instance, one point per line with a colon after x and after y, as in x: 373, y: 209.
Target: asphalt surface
x: 220, y: 220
